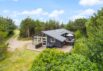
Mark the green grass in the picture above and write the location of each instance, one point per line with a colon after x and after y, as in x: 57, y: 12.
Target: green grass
x: 20, y: 60
x: 24, y: 39
x: 16, y: 33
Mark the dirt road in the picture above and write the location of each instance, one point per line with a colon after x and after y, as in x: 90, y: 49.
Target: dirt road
x: 14, y: 43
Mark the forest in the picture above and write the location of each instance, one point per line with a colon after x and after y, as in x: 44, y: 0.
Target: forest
x: 87, y: 53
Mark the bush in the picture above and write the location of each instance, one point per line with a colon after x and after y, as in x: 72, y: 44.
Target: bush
x: 80, y: 47
x: 78, y: 34
x: 6, y: 30
x: 2, y: 51
x: 94, y: 28
x: 54, y: 60
x: 2, y: 36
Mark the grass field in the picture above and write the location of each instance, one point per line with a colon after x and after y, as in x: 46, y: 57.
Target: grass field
x: 20, y: 60
x: 16, y: 33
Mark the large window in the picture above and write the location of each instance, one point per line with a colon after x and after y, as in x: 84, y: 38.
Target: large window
x: 52, y: 40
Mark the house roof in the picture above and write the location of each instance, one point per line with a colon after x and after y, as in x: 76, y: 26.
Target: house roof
x: 57, y: 34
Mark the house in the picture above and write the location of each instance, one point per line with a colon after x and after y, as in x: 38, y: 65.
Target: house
x: 57, y: 38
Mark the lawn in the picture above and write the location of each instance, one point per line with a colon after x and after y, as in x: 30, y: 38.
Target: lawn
x: 20, y: 60
x: 16, y: 33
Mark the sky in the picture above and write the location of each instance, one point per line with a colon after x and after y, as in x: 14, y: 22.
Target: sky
x: 59, y: 10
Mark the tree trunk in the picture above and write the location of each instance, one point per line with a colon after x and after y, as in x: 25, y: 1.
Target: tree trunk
x: 28, y: 32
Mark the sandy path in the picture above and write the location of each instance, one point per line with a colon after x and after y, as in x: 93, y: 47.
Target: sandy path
x: 14, y: 43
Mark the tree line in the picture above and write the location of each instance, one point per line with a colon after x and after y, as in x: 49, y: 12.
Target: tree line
x: 91, y: 45
x: 30, y: 27
x: 6, y: 30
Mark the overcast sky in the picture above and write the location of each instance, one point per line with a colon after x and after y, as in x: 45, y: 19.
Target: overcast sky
x: 60, y: 10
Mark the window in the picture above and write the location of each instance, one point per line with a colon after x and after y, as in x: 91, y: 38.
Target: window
x: 52, y: 40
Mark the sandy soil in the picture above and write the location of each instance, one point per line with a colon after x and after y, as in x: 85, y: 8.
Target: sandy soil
x: 14, y: 44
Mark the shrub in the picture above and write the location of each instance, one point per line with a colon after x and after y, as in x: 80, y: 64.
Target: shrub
x: 78, y: 34
x: 80, y: 47
x: 54, y: 60
x: 2, y: 51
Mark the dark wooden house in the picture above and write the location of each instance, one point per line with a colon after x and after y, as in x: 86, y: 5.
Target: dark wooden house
x: 58, y: 38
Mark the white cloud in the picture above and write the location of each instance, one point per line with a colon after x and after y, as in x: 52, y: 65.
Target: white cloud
x: 83, y: 14
x: 76, y: 17
x: 87, y: 12
x: 6, y: 11
x: 35, y: 12
x: 14, y: 14
x: 17, y: 21
x: 56, y: 13
x: 90, y: 2
x: 38, y: 11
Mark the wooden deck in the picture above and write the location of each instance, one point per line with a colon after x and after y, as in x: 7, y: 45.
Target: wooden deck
x: 31, y: 46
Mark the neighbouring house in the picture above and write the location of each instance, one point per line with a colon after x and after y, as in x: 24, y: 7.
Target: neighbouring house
x: 57, y: 38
